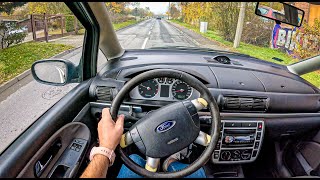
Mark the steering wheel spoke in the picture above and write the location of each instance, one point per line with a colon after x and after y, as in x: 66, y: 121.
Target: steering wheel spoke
x: 203, y: 139
x: 126, y: 140
x: 152, y: 164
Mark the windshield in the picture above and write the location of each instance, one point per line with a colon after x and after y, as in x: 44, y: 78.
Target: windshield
x: 214, y: 25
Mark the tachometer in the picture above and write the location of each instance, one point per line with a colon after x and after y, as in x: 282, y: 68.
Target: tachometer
x: 181, y: 90
x: 148, y: 89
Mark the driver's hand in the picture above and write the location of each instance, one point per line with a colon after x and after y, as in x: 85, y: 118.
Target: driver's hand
x: 110, y: 132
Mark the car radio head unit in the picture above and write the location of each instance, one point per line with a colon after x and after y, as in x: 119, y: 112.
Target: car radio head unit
x: 239, y: 141
x: 238, y: 138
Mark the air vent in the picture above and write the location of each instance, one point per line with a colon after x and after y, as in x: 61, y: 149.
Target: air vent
x: 104, y: 93
x: 236, y: 103
x: 223, y: 59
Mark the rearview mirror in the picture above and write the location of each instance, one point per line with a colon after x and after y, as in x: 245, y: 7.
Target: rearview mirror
x: 54, y: 71
x: 280, y: 12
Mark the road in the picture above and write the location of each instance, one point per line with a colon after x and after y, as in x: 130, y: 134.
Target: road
x: 26, y: 101
x: 152, y: 33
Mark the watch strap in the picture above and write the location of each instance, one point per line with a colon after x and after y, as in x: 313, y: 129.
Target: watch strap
x: 103, y: 151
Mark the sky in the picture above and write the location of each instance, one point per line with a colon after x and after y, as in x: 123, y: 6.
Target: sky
x: 156, y: 7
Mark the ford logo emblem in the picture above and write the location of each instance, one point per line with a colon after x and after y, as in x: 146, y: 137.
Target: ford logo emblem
x: 165, y: 126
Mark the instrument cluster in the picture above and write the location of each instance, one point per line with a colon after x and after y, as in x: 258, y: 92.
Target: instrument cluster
x: 164, y: 88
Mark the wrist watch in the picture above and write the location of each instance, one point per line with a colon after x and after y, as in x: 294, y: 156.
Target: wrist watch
x: 103, y: 151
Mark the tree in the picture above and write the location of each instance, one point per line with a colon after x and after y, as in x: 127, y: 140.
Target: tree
x: 117, y: 7
x: 7, y: 7
x: 173, y: 11
x: 48, y: 7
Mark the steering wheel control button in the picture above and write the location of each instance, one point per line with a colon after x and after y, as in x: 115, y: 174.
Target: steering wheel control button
x: 135, y: 135
x: 190, y: 107
x: 249, y: 124
x: 232, y: 124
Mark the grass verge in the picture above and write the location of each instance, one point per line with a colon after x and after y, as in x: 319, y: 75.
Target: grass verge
x: 124, y: 24
x: 17, y: 59
x: 263, y: 53
x: 116, y: 26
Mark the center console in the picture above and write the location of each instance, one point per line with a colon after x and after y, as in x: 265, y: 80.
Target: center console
x: 239, y: 141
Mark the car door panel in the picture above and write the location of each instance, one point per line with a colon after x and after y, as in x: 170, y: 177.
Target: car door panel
x: 72, y: 143
x: 19, y: 153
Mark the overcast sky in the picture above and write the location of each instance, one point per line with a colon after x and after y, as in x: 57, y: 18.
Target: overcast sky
x: 156, y: 7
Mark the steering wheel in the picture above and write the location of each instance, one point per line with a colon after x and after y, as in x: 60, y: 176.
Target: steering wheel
x: 169, y: 129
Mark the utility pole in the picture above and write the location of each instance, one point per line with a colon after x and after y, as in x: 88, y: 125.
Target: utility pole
x: 239, y: 25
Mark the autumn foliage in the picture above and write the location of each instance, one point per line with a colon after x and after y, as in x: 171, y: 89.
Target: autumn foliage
x: 307, y: 42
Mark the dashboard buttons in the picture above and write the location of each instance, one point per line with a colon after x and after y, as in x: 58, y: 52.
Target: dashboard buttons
x: 236, y: 155
x: 216, y: 154
x: 225, y: 155
x: 232, y: 124
x: 254, y: 154
x: 249, y: 124
x: 258, y: 136
x: 218, y: 145
x: 245, y: 155
x: 259, y: 126
x: 256, y: 145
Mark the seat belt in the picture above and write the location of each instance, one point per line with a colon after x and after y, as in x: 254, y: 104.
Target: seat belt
x: 307, y: 168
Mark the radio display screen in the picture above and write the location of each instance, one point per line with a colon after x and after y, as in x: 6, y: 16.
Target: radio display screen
x: 236, y: 138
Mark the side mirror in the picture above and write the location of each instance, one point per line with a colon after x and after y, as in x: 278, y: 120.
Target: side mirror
x: 280, y: 12
x: 56, y: 72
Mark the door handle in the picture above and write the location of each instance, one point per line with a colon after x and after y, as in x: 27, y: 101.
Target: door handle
x: 40, y: 166
x: 47, y: 157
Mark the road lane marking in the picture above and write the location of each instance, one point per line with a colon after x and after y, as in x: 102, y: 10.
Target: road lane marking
x: 144, y: 43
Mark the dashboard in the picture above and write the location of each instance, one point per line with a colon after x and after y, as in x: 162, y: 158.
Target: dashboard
x: 164, y: 89
x: 256, y: 99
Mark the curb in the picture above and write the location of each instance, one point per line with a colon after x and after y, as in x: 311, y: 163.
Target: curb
x: 21, y: 76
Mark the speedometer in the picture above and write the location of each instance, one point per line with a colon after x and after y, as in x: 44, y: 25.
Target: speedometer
x: 181, y: 90
x: 148, y: 89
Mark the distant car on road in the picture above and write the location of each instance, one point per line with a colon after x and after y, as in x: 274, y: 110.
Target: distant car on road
x: 158, y: 18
